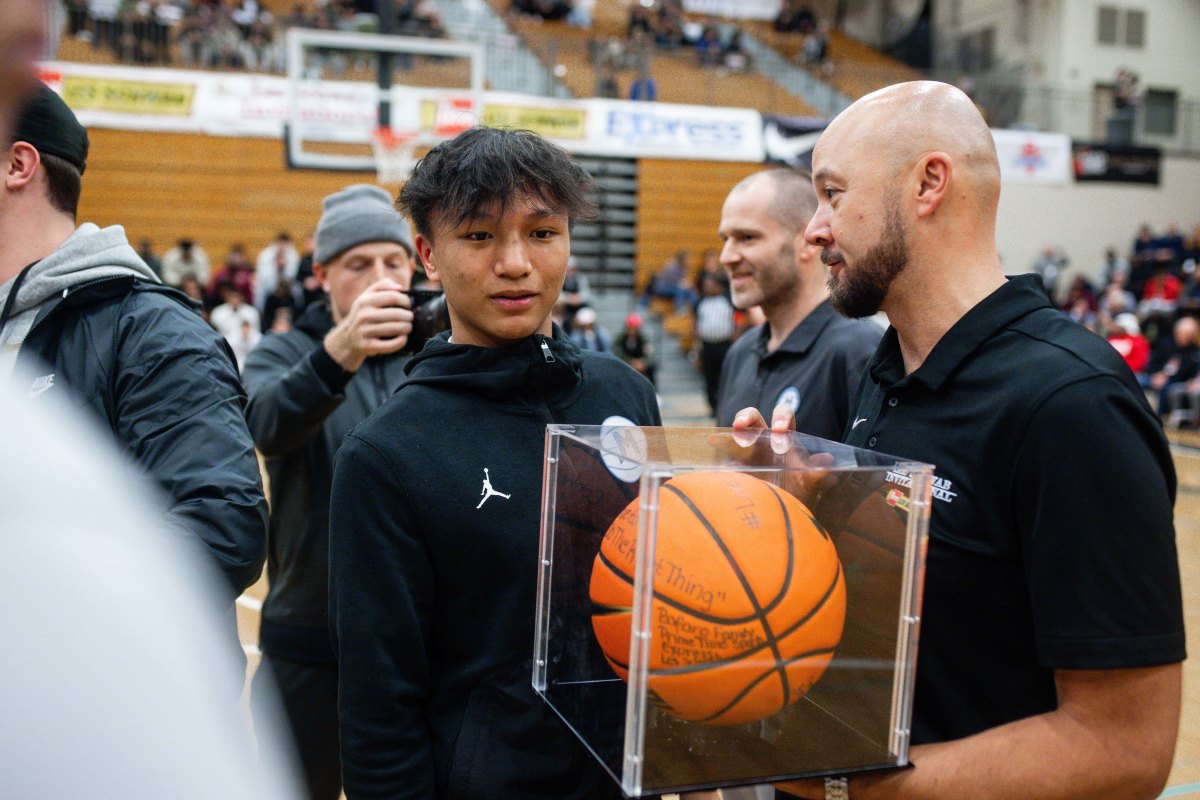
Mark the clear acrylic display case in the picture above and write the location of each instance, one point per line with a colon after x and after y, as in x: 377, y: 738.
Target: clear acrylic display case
x: 874, y: 509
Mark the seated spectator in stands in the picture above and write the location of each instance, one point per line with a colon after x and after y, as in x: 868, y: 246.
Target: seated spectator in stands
x: 710, y: 267
x: 1141, y: 259
x: 228, y: 317
x: 259, y: 51
x: 1113, y: 264
x: 1079, y: 289
x: 644, y: 86
x: 185, y: 258
x: 816, y: 46
x: 1116, y: 299
x: 672, y: 282
x: 1172, y: 240
x: 546, y: 9
x: 581, y: 14
x: 1162, y: 289
x: 709, y: 51
x: 235, y: 272
x: 588, y: 334
x: 279, y: 259
x: 146, y: 251
x: 192, y: 288
x: 1125, y: 335
x: 735, y: 57
x: 283, y: 298
x: 576, y: 292
x: 633, y: 348
x: 795, y: 17
x: 1182, y: 362
x: 246, y: 338
x: 1049, y: 265
x: 639, y: 21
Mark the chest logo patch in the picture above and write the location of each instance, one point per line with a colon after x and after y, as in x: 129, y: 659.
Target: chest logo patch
x: 789, y: 397
x: 489, y: 491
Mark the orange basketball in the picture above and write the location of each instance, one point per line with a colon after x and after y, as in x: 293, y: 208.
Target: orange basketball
x: 749, y: 598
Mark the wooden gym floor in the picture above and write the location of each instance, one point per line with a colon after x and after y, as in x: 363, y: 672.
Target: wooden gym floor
x: 1184, y: 781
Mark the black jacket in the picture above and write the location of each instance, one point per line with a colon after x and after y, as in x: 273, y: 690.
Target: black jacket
x: 138, y: 356
x: 433, y: 578
x: 302, y: 404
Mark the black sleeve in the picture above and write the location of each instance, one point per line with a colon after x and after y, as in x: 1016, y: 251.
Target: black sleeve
x: 178, y: 409
x: 1094, y: 491
x: 381, y: 596
x: 292, y: 393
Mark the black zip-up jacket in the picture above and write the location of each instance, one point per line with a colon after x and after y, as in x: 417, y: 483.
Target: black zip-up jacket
x: 302, y: 404
x: 433, y: 576
x: 138, y: 356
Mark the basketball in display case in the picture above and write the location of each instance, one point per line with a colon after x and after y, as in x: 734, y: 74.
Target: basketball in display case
x: 718, y: 608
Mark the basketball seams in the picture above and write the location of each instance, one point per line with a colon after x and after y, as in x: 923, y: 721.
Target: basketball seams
x: 617, y: 572
x: 837, y: 578
x: 760, y: 614
x: 747, y: 690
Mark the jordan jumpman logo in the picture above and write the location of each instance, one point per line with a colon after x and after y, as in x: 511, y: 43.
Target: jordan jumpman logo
x: 488, y: 491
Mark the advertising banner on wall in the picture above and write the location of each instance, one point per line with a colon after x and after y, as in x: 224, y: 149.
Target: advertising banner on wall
x: 1118, y: 164
x: 745, y: 9
x: 1030, y: 157
x: 224, y: 104
x: 665, y: 130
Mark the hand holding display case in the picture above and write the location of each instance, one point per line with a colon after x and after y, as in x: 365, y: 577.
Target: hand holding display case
x: 718, y: 608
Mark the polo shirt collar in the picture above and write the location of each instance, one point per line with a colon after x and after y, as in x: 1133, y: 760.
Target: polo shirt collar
x: 804, y: 335
x: 1016, y: 298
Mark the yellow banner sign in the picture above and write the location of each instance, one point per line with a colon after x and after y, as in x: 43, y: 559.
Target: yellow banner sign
x: 130, y: 97
x: 553, y: 123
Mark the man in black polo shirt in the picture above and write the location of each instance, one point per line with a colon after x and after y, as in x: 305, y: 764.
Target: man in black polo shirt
x: 1052, y: 628
x: 805, y: 356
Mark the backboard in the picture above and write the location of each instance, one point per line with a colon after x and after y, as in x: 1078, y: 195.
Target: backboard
x: 345, y: 85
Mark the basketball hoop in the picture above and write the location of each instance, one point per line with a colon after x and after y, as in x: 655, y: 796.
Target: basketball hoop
x: 394, y: 154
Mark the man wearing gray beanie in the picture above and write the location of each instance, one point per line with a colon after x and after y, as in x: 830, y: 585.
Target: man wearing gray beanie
x: 308, y: 387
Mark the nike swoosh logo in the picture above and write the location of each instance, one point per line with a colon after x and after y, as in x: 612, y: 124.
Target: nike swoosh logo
x: 858, y: 422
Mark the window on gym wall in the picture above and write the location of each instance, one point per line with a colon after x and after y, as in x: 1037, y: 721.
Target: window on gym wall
x: 1162, y: 109
x: 1121, y: 26
x: 1106, y: 25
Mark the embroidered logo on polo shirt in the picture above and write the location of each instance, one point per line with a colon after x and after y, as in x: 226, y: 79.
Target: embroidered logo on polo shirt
x: 789, y: 397
x: 941, y: 486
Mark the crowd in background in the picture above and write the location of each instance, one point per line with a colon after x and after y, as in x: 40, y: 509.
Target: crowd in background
x: 1146, y: 302
x: 227, y: 34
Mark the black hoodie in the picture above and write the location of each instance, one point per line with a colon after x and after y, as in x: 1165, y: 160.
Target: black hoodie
x: 302, y: 404
x: 433, y: 577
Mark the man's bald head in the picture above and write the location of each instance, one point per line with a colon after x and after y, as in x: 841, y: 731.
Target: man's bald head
x: 794, y: 199
x: 900, y: 124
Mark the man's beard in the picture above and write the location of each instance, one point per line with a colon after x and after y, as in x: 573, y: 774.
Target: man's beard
x: 859, y: 291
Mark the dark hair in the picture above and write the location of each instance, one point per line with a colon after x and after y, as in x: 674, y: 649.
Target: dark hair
x: 64, y: 183
x: 484, y: 166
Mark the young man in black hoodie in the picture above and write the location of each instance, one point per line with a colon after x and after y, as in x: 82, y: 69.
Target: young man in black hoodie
x: 308, y: 388
x: 436, y: 498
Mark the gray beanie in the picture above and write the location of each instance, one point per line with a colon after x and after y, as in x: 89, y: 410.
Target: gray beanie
x: 356, y: 215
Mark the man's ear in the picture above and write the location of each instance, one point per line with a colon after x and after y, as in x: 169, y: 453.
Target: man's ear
x: 321, y: 273
x: 23, y: 161
x: 424, y: 247
x: 934, y: 172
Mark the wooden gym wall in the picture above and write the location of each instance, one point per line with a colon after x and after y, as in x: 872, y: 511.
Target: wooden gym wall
x: 222, y: 190
x: 217, y: 190
x: 679, y: 207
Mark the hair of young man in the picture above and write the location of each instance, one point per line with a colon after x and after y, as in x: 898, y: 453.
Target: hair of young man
x: 484, y: 169
x: 64, y: 183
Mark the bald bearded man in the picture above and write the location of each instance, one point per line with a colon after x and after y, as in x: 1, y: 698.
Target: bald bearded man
x: 1052, y: 627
